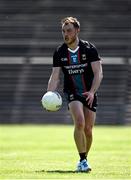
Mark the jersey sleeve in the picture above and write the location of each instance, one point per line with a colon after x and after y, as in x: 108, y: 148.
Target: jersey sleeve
x: 93, y: 54
x: 56, y: 59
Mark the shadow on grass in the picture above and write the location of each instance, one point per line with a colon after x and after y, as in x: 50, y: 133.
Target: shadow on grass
x: 59, y: 171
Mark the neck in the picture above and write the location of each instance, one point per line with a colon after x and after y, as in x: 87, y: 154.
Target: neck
x: 74, y: 44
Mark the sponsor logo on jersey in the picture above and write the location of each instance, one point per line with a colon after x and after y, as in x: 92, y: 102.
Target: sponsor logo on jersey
x: 74, y: 66
x: 76, y: 71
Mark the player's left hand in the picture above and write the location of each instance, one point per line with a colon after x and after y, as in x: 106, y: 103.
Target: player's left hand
x: 89, y: 97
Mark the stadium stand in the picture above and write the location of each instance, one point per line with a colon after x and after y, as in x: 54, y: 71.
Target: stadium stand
x: 31, y: 29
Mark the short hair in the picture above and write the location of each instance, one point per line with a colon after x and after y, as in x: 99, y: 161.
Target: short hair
x: 71, y: 20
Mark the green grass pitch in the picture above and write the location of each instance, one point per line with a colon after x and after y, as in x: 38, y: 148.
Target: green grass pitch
x: 48, y: 152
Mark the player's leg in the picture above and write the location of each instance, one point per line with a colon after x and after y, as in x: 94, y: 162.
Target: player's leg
x: 90, y: 117
x: 76, y: 110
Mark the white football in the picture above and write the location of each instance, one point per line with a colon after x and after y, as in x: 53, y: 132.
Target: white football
x: 52, y: 101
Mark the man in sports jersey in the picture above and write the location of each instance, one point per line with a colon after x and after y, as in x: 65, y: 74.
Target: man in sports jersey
x: 81, y: 65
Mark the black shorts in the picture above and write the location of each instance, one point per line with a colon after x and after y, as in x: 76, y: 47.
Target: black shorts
x: 82, y: 99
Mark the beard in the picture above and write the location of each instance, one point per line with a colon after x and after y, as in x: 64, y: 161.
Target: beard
x: 70, y: 41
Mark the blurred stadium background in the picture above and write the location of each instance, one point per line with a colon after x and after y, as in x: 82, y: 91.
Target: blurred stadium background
x: 30, y: 31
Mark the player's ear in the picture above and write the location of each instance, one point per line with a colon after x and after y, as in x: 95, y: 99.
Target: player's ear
x: 78, y: 30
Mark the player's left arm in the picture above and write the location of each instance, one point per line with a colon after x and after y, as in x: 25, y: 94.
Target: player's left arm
x: 98, y: 75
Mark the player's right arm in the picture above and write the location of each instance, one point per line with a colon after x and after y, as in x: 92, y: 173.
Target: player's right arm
x: 54, y: 79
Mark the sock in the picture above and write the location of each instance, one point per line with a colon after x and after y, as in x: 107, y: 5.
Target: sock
x: 82, y: 156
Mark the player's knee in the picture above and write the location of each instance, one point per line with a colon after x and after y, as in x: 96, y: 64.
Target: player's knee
x: 88, y: 131
x: 80, y: 125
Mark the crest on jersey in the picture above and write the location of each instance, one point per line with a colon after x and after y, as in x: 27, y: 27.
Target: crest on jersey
x: 83, y: 57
